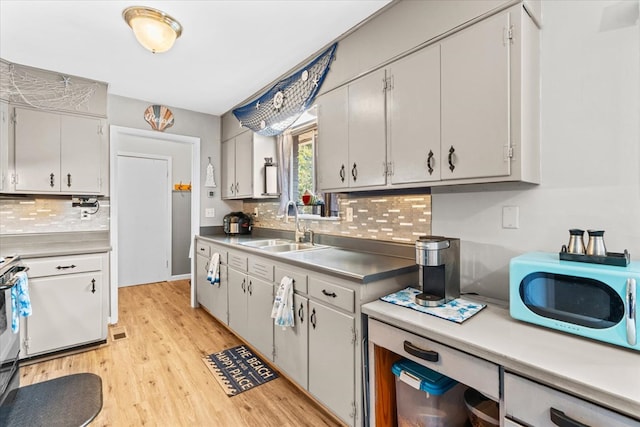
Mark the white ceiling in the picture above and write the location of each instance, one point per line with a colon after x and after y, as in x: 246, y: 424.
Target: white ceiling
x: 228, y: 50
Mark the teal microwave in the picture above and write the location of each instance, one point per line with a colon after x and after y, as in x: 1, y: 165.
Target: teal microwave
x: 591, y: 300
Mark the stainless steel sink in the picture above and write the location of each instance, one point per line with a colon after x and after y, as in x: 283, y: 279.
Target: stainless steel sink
x: 280, y: 245
x: 290, y: 247
x: 266, y: 243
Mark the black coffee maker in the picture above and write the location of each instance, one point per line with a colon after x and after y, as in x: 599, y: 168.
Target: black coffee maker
x: 439, y: 276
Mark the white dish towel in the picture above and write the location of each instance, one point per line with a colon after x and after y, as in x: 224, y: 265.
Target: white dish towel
x: 282, y: 311
x: 20, y: 301
x: 213, y: 275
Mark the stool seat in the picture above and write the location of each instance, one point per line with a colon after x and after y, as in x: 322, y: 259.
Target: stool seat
x: 69, y: 401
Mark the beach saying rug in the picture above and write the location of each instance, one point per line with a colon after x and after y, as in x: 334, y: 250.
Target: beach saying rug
x: 238, y: 369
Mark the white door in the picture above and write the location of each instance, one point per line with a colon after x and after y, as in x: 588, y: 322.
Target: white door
x: 144, y: 222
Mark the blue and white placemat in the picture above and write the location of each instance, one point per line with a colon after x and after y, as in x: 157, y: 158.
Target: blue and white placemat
x: 457, y: 310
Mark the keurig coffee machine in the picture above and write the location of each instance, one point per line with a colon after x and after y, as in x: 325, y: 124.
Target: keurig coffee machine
x: 439, y: 261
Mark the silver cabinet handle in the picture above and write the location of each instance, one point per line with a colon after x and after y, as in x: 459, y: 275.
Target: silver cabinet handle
x: 632, y: 337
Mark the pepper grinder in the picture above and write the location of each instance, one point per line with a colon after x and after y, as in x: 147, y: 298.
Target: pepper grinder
x: 576, y: 241
x: 596, y: 243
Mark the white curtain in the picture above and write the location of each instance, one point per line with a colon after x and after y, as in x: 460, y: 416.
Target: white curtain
x: 284, y: 152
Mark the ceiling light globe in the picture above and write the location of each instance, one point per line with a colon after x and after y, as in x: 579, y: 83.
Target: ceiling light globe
x: 154, y: 29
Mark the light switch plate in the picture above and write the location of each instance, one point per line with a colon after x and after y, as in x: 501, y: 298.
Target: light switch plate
x: 510, y: 217
x: 210, y: 212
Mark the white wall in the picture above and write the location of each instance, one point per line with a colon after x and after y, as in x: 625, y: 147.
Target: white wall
x: 590, y: 154
x: 129, y: 112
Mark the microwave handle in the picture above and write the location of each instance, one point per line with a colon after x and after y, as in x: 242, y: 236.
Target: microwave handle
x: 632, y: 336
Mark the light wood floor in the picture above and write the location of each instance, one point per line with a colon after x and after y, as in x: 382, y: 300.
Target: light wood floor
x: 155, y: 376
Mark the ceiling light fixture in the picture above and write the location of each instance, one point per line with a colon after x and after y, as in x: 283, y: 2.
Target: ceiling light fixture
x: 154, y: 29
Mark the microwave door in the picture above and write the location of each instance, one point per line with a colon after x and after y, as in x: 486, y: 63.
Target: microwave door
x: 632, y: 335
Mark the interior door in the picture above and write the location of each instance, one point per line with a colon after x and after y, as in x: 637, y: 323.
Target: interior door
x: 144, y: 223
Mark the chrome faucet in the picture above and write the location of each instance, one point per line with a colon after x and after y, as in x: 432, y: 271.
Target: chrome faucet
x: 299, y: 234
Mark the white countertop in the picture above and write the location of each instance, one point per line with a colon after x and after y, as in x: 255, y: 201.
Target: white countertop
x: 601, y: 373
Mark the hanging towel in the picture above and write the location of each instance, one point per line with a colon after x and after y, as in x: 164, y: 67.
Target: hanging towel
x: 213, y: 275
x: 210, y: 180
x: 20, y: 301
x: 282, y: 311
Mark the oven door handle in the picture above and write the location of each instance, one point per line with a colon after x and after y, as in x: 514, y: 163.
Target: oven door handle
x: 632, y: 336
x: 13, y: 280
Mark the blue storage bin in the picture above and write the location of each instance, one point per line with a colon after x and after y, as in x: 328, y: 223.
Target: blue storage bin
x: 426, y: 398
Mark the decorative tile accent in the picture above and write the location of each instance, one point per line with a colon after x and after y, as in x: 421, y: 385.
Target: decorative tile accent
x: 49, y: 215
x: 391, y: 218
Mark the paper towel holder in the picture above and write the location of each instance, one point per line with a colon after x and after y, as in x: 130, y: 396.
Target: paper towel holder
x: 270, y: 185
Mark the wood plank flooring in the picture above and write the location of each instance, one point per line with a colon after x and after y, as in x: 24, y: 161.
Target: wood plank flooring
x: 155, y: 376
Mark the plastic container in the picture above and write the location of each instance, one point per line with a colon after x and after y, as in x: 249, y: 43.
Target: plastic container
x: 425, y: 398
x: 483, y: 412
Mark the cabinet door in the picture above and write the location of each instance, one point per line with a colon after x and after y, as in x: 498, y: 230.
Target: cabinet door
x: 332, y: 359
x: 80, y: 154
x: 204, y: 289
x: 67, y: 311
x: 333, y: 140
x: 367, y: 131
x: 291, y: 351
x: 37, y: 151
x: 475, y: 101
x: 244, y: 165
x: 228, y: 169
x: 238, y: 301
x: 220, y: 297
x: 414, y: 117
x: 260, y: 324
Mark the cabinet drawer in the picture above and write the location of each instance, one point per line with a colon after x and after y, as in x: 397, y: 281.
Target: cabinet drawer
x: 332, y: 294
x: 56, y: 266
x: 472, y: 371
x: 533, y: 404
x: 203, y: 249
x: 237, y: 261
x: 261, y: 268
x: 299, y: 279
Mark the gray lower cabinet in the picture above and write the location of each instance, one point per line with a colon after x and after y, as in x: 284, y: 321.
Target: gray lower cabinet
x: 291, y: 344
x: 250, y: 304
x: 69, y: 302
x: 332, y: 359
x: 213, y: 297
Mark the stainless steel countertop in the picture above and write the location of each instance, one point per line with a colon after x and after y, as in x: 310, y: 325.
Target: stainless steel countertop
x: 349, y: 264
x: 36, y: 245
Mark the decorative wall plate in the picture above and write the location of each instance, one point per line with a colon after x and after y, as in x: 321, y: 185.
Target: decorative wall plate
x: 159, y: 117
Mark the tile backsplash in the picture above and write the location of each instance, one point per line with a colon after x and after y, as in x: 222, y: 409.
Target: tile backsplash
x: 394, y: 218
x: 49, y: 215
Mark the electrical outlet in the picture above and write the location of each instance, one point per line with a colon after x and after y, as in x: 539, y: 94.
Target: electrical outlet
x: 349, y: 214
x: 210, y: 212
x: 84, y: 214
x: 256, y: 212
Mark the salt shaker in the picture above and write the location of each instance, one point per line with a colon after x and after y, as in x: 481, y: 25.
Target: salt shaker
x: 596, y: 243
x: 576, y: 242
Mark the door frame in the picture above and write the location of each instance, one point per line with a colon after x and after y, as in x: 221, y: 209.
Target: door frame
x: 168, y: 159
x: 116, y: 133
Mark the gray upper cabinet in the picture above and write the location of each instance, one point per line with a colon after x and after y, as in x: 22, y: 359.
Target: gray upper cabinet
x: 351, y: 134
x: 333, y: 139
x: 462, y: 110
x: 413, y: 105
x: 475, y: 101
x: 57, y: 153
x: 243, y: 165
